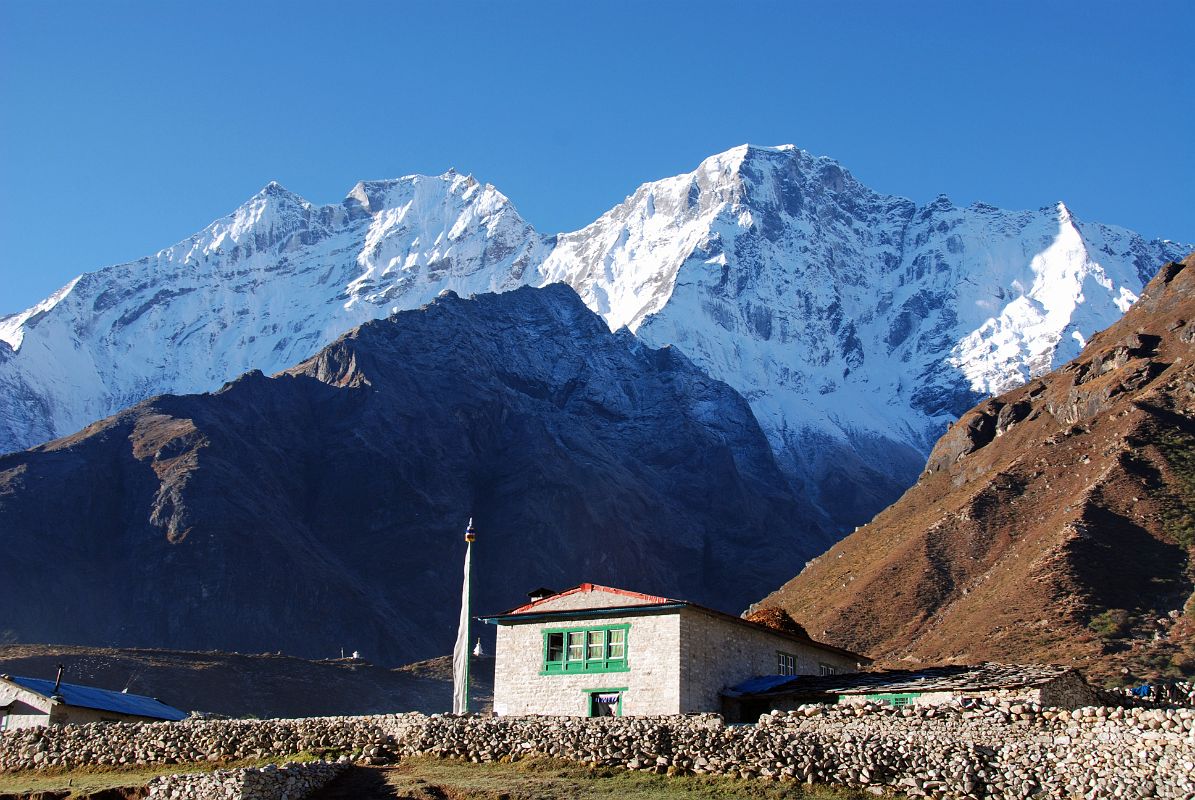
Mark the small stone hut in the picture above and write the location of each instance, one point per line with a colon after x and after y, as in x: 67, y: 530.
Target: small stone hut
x: 601, y: 651
x: 1060, y: 687
x: 34, y: 702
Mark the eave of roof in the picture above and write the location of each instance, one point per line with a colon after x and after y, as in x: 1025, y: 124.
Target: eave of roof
x: 70, y: 694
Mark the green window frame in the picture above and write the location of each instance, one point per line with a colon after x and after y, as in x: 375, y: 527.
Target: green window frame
x: 572, y: 651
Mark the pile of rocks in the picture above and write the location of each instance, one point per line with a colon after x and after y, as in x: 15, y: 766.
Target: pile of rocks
x: 1001, y: 750
x: 287, y: 782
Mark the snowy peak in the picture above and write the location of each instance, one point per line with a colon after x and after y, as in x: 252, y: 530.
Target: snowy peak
x: 270, y: 215
x: 261, y: 288
x: 845, y: 316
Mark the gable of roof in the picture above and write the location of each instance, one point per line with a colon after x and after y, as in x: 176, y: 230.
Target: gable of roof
x: 101, y: 699
x: 590, y: 595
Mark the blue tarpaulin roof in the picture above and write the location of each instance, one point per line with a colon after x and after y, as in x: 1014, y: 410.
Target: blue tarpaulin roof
x: 102, y: 699
x: 763, y: 683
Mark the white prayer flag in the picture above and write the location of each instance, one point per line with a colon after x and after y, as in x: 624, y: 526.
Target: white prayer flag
x: 460, y: 653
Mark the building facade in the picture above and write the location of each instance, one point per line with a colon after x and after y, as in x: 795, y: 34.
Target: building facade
x: 34, y: 702
x: 600, y: 651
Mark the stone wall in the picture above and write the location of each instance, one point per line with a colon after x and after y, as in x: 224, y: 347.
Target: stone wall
x: 287, y: 782
x: 1000, y: 751
x: 716, y: 653
x: 131, y: 743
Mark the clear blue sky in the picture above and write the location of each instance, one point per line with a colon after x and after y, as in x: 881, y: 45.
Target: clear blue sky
x: 125, y: 126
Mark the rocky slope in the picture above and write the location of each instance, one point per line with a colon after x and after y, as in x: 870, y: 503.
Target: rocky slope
x: 1055, y: 522
x: 857, y: 324
x: 324, y: 507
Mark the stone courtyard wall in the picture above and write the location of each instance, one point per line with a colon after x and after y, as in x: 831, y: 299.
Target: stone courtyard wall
x: 287, y: 782
x: 1002, y: 750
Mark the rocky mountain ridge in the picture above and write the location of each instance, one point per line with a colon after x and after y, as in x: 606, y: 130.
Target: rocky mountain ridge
x: 857, y: 324
x: 1053, y: 523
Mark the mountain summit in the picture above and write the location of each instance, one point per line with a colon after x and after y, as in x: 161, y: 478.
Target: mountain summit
x: 856, y: 324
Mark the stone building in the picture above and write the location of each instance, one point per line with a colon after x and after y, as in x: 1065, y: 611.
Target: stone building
x: 1058, y: 687
x: 33, y: 702
x: 599, y: 651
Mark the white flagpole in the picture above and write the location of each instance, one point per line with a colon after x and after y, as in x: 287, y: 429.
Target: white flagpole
x: 460, y: 653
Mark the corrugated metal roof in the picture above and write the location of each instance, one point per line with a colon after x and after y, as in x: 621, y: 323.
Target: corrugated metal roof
x: 933, y: 679
x: 101, y: 699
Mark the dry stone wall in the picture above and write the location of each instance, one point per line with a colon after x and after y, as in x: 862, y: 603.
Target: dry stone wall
x: 1003, y: 751
x: 287, y: 782
x: 123, y: 744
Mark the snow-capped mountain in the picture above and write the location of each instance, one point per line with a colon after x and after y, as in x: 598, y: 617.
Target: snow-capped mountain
x: 856, y: 324
x: 264, y: 287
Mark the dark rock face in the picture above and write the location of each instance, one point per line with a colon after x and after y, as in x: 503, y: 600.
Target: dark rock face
x: 324, y: 507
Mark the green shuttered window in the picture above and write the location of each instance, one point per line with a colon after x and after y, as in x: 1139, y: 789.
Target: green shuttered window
x: 568, y: 651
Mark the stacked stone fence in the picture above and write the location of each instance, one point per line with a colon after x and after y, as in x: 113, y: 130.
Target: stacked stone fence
x: 998, y: 750
x: 288, y: 782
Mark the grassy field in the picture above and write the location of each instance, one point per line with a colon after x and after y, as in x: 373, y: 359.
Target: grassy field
x: 451, y: 779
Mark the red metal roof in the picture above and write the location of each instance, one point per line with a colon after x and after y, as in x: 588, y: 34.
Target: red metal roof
x: 593, y: 587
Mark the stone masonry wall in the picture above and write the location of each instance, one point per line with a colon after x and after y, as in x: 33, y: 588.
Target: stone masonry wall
x: 288, y: 782
x: 1002, y: 751
x: 652, y: 683
x: 716, y: 653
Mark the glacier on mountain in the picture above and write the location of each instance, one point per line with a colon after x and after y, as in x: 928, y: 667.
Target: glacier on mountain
x: 856, y: 324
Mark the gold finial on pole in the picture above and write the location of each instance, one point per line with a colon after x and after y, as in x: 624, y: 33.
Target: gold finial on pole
x: 470, y: 534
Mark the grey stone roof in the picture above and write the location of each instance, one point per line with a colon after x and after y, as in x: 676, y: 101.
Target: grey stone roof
x: 979, y: 677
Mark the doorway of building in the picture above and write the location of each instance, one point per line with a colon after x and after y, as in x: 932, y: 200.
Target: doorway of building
x: 605, y: 703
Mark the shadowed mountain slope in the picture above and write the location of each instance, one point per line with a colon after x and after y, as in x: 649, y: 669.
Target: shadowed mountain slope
x: 324, y: 507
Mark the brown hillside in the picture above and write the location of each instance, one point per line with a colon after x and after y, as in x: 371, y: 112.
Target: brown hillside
x: 1054, y: 523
